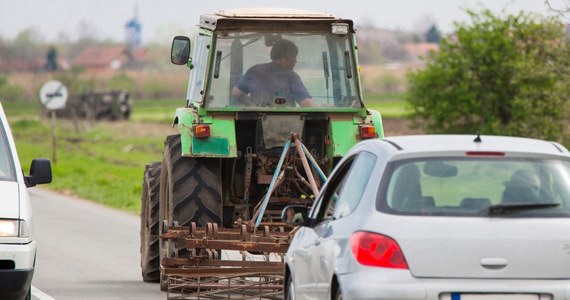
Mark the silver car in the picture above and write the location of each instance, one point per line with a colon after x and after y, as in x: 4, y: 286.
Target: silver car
x: 444, y: 217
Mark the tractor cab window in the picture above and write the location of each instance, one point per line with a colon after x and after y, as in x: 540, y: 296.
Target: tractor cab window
x: 199, y: 66
x: 282, y: 70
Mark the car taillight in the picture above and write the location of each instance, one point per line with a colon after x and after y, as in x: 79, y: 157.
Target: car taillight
x: 376, y: 250
x: 484, y: 153
x: 201, y: 131
x: 367, y: 131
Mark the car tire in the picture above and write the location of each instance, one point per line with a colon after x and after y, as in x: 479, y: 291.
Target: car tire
x: 289, y: 291
x: 337, y: 292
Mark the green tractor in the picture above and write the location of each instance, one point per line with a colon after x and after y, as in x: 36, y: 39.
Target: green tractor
x: 257, y: 77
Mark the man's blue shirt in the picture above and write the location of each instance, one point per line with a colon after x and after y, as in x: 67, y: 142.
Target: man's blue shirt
x: 265, y: 82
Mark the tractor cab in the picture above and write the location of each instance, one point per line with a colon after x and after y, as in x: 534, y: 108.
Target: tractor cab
x: 232, y: 42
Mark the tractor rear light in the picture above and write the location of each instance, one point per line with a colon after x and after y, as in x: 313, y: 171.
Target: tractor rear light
x: 201, y: 131
x: 367, y: 131
x: 376, y: 250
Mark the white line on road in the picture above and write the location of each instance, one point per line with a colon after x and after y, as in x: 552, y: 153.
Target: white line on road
x: 39, y: 295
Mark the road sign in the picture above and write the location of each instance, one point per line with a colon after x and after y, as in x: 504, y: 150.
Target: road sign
x: 53, y: 95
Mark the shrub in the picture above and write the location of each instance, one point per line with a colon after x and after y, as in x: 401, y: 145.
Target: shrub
x: 498, y: 75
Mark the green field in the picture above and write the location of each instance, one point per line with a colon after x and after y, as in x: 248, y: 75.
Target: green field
x: 155, y: 110
x: 389, y: 105
x: 104, y: 161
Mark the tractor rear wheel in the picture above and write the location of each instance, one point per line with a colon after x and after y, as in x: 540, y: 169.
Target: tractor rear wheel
x: 149, y: 223
x: 190, y: 191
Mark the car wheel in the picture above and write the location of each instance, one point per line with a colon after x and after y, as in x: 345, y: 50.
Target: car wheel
x: 338, y: 292
x: 289, y: 289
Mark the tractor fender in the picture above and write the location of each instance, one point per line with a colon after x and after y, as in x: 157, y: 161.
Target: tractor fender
x: 222, y: 140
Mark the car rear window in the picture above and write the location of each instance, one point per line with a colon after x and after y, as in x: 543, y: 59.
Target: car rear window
x: 478, y: 186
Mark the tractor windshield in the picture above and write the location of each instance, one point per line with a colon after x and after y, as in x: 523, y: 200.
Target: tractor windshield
x: 282, y: 70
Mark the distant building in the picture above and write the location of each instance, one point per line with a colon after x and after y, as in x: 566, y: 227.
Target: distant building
x: 101, y: 59
x: 107, y: 60
x: 23, y: 65
x: 133, y: 32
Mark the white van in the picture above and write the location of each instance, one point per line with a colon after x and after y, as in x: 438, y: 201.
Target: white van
x: 17, y: 243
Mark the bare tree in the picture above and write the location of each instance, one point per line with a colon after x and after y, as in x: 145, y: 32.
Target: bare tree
x: 562, y: 7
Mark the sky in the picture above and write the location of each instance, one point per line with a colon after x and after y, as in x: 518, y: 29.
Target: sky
x: 162, y: 19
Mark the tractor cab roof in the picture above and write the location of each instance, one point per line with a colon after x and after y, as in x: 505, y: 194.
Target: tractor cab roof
x: 270, y: 19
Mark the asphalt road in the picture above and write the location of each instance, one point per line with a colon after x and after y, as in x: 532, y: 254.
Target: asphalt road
x: 86, y: 251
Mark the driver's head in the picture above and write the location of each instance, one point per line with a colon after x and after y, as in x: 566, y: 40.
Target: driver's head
x: 283, y: 48
x: 285, y: 52
x: 527, y: 179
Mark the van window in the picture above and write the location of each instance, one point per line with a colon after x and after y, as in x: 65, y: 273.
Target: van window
x: 7, y: 172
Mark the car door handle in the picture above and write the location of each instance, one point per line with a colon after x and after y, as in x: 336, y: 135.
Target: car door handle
x: 317, y: 241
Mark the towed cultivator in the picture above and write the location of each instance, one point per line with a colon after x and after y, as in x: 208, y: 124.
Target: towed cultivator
x: 251, y: 265
x: 245, y: 261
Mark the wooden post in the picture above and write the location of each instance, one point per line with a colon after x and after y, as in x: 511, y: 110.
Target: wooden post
x: 53, y: 138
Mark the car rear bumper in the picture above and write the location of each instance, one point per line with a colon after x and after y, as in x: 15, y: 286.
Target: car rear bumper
x: 401, y: 285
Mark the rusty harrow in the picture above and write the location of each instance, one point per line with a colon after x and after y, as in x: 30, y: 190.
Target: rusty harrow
x: 251, y: 265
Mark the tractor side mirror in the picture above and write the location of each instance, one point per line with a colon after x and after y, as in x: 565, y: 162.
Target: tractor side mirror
x: 180, y: 50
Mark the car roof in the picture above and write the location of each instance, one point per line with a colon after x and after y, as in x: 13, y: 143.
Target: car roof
x: 472, y: 143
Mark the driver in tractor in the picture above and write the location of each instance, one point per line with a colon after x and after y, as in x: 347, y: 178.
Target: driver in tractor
x: 275, y: 81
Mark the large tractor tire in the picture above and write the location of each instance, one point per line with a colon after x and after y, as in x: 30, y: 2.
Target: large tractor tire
x: 190, y: 191
x: 149, y: 223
